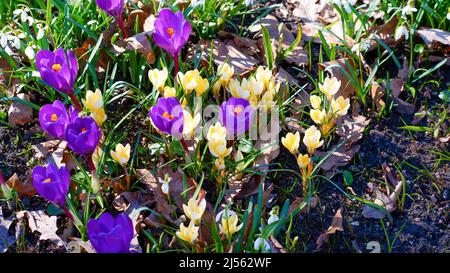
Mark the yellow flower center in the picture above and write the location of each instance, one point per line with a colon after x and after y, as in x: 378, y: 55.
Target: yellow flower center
x: 170, y: 31
x: 48, y: 180
x: 54, y: 117
x: 56, y: 67
x: 167, y: 115
x: 83, y: 130
x: 238, y: 110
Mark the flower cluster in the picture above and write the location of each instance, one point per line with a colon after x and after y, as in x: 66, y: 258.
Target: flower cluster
x: 217, y: 144
x: 94, y: 103
x: 194, y: 211
x: 259, y: 89
x: 325, y: 112
x: 312, y: 141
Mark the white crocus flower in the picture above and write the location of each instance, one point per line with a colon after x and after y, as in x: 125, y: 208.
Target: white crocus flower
x: 400, y: 32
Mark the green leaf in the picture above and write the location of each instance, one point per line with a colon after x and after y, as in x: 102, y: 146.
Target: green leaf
x: 348, y: 178
x: 245, y: 146
x: 267, y: 47
x: 176, y: 148
x: 417, y: 128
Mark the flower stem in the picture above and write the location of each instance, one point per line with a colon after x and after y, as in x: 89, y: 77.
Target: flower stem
x: 186, y: 150
x: 68, y: 213
x: 176, y: 67
x: 91, y: 164
x: 76, y: 102
x: 122, y: 27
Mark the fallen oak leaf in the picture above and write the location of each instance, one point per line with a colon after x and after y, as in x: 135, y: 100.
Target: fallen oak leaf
x: 23, y: 188
x: 336, y: 225
x: 339, y: 69
x: 385, y: 201
x: 432, y: 35
x: 42, y: 223
x: 225, y: 51
x: 19, y: 113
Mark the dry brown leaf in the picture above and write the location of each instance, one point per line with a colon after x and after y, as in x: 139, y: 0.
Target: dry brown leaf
x: 351, y: 131
x: 226, y: 51
x: 76, y: 246
x: 340, y: 157
x: 299, y: 201
x: 271, y: 23
x: 54, y: 151
x: 18, y: 113
x: 432, y: 35
x: 335, y: 69
x: 276, y: 246
x: 306, y: 10
x: 42, y: 223
x: 351, y: 128
x: 377, y: 92
x: 336, y: 225
x: 25, y: 188
x: 387, y: 201
x: 162, y: 205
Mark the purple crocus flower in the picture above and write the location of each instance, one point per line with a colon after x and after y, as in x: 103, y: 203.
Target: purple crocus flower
x: 235, y: 115
x: 82, y: 134
x: 58, y: 69
x: 172, y: 31
x: 167, y: 116
x: 52, y: 183
x: 111, y: 7
x: 111, y: 235
x: 53, y: 119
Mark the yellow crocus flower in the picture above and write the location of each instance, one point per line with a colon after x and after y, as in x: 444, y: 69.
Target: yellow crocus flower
x: 99, y: 116
x: 216, y: 88
x: 188, y: 80
x: 195, y: 209
x: 202, y: 86
x: 340, y: 106
x: 330, y: 87
x: 239, y: 90
x: 158, y: 78
x: 228, y: 222
x: 266, y: 101
x: 218, y: 147
x: 291, y: 142
x: 312, y: 139
x: 190, y: 123
x: 303, y: 161
x: 189, y: 233
x: 121, y: 154
x: 316, y: 101
x: 169, y: 92
x: 224, y: 72
x: 256, y: 87
x: 219, y: 163
x: 318, y: 116
x: 94, y: 101
x: 264, y: 75
x: 216, y: 129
